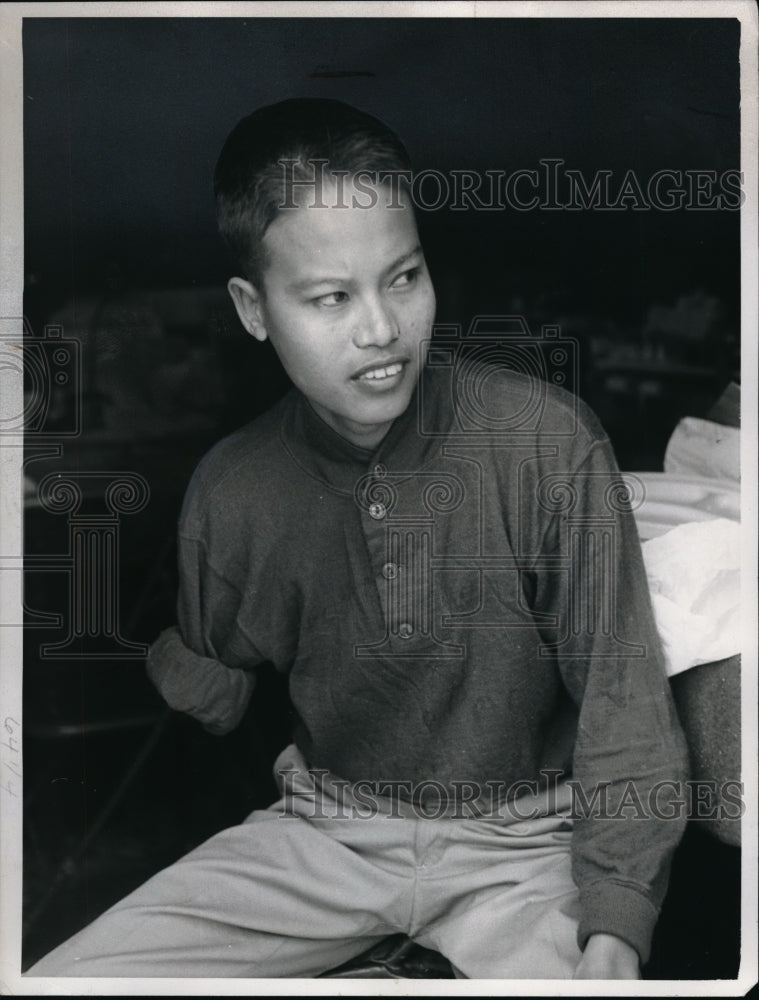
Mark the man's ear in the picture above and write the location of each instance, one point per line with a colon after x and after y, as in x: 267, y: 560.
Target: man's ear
x: 247, y: 300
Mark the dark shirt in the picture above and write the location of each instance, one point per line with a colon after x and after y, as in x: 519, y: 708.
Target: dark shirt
x: 436, y: 603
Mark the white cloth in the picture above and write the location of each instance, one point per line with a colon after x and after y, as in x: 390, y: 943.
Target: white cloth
x: 703, y: 448
x: 694, y: 579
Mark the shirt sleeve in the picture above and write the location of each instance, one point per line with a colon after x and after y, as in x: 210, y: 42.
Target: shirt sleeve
x: 630, y: 757
x: 204, y: 666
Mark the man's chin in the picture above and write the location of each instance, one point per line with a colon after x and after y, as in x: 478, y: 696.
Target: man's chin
x: 367, y: 430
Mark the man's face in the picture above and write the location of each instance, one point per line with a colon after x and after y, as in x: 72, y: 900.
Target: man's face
x: 347, y: 301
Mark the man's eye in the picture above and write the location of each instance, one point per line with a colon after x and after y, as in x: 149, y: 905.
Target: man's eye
x: 332, y: 299
x: 406, y: 279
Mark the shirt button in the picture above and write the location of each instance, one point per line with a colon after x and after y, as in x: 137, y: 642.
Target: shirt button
x: 380, y: 471
x: 405, y: 631
x: 377, y: 511
x: 390, y: 571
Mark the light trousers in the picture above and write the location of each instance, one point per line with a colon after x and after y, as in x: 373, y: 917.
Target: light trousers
x: 313, y: 881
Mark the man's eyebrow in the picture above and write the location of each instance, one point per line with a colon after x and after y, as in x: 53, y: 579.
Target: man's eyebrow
x: 325, y: 279
x: 404, y: 257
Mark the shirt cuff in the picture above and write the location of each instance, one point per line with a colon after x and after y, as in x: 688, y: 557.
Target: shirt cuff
x: 615, y: 908
x: 214, y: 694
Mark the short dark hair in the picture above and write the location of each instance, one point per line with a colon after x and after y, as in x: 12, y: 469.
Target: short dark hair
x: 249, y: 180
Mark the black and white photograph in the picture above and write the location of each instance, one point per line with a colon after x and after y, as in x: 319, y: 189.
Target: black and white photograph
x: 378, y: 533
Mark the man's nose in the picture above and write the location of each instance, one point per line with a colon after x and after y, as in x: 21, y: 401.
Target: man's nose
x: 376, y: 326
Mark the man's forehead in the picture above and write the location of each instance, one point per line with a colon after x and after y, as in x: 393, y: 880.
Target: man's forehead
x: 337, y: 233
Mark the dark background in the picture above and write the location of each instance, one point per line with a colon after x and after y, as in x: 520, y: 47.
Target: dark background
x: 123, y: 120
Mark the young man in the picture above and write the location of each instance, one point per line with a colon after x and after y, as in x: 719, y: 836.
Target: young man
x: 437, y: 552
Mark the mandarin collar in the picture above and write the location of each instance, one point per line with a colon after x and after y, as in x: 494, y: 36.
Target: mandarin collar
x: 338, y: 463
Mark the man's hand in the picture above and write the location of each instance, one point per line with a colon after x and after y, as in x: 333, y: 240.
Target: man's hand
x: 608, y: 957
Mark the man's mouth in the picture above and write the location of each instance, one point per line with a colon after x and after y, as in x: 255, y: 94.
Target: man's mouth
x: 378, y: 374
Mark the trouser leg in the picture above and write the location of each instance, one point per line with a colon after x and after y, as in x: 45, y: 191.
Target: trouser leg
x: 499, y: 900
x: 275, y: 896
x: 297, y: 894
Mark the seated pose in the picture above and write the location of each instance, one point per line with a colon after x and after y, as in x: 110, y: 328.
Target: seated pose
x: 436, y: 548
